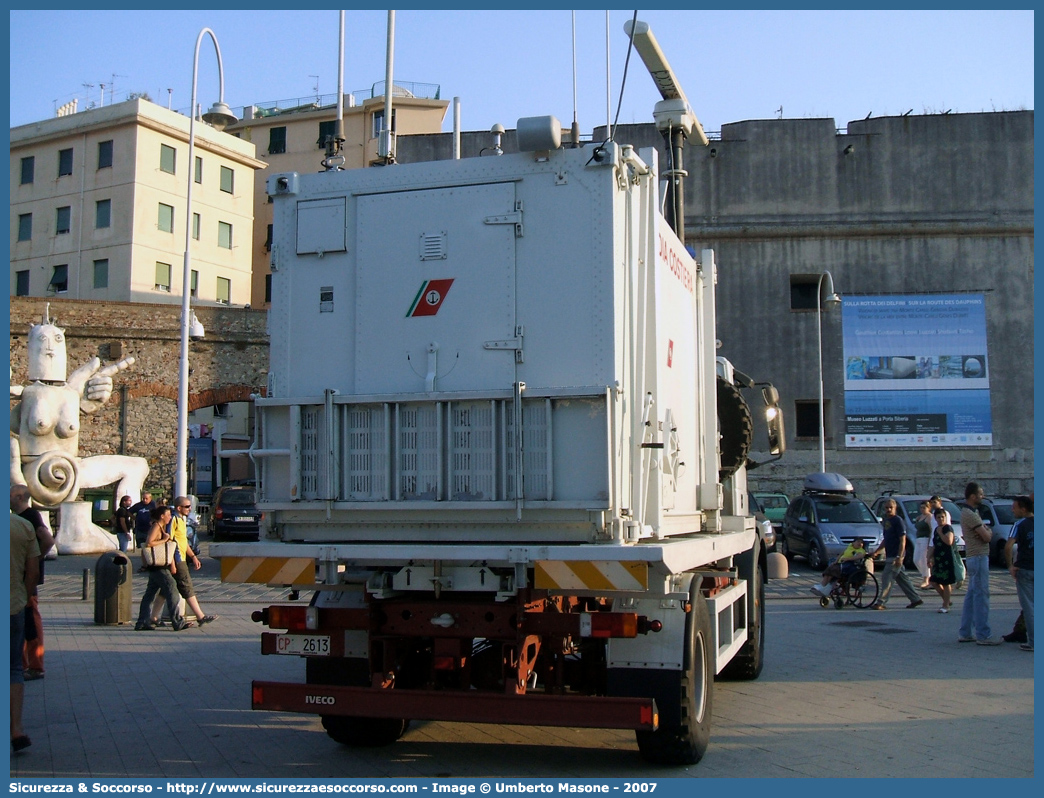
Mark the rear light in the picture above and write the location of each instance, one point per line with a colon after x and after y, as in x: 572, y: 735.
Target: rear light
x: 293, y: 619
x: 219, y: 513
x: 647, y: 715
x: 257, y: 696
x: 443, y: 663
x: 609, y: 624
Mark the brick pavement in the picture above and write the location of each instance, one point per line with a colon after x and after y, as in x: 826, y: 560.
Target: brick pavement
x: 893, y: 685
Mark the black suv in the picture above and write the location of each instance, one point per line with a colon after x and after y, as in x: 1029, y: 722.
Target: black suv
x: 234, y: 513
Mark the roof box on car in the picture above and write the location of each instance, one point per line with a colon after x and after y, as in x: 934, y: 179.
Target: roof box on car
x: 822, y: 482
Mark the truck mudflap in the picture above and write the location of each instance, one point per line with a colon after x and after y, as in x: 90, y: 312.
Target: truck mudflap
x: 590, y: 712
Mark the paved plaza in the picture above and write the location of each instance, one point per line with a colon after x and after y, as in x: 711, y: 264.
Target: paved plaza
x: 893, y: 687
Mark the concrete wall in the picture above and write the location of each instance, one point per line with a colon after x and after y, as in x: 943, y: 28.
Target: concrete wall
x: 140, y: 419
x: 916, y: 204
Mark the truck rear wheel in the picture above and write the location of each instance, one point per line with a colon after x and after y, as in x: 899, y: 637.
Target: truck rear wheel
x: 364, y: 732
x: 686, y: 743
x: 352, y: 730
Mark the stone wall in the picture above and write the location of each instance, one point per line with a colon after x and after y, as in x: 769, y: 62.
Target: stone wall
x: 227, y: 365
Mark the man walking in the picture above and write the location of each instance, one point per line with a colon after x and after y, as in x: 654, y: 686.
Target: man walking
x: 975, y: 613
x: 33, y: 652
x: 178, y: 530
x: 1021, y: 568
x: 894, y: 545
x: 142, y: 512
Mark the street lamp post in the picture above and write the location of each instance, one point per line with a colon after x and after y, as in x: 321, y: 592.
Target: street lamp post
x: 218, y: 117
x: 832, y: 299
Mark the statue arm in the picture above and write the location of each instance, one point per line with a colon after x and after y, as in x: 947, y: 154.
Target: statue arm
x: 94, y: 384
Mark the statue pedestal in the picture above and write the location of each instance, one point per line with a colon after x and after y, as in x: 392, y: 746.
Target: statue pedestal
x: 77, y: 534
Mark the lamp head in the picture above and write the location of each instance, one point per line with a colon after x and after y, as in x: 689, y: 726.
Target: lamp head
x: 220, y: 116
x: 832, y: 301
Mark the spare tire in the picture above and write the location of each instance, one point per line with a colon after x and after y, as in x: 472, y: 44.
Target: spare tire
x: 735, y: 429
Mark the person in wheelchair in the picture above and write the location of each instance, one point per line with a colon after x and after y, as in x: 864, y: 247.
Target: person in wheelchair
x: 843, y: 567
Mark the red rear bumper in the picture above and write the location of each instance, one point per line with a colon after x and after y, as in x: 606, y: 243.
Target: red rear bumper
x: 595, y: 712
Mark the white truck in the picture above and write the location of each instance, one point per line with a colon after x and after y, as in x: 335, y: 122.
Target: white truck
x: 498, y: 446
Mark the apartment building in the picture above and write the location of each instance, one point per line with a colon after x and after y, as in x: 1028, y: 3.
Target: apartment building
x: 98, y: 207
x: 290, y: 136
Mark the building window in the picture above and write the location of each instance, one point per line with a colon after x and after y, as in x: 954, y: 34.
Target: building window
x: 198, y: 176
x: 101, y: 273
x: 378, y: 122
x: 166, y: 218
x: 225, y: 235
x: 276, y: 140
x: 102, y: 213
x: 25, y: 227
x: 268, y: 240
x: 227, y: 180
x: 268, y: 288
x: 28, y: 169
x: 195, y: 226
x: 194, y: 283
x: 22, y: 283
x: 59, y: 280
x: 804, y: 293
x: 65, y: 162
x: 162, y: 277
x: 168, y: 159
x: 63, y: 220
x: 224, y: 290
x: 326, y: 129
x: 806, y: 419
x: 105, y: 154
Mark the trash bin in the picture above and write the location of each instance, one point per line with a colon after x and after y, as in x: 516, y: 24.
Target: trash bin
x: 112, y: 588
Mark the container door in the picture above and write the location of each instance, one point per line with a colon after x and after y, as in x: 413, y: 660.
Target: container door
x: 435, y: 288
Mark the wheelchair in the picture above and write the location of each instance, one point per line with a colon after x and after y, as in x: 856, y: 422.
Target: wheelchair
x: 857, y: 586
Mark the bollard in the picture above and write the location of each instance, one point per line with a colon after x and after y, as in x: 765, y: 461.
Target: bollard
x: 86, y: 584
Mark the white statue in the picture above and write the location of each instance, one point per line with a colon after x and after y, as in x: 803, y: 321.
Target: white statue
x: 45, y: 430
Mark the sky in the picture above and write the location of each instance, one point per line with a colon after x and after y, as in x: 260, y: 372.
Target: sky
x: 732, y: 65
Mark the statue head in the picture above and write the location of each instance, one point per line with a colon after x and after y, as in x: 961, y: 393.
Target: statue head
x: 47, y: 351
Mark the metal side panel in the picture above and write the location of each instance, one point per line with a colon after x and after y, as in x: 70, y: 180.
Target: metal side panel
x: 728, y: 611
x: 434, y: 289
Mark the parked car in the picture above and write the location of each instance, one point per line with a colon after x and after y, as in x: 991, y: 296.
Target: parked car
x: 774, y: 505
x: 821, y: 522
x: 768, y: 532
x: 997, y: 515
x: 234, y: 513
x: 908, y: 508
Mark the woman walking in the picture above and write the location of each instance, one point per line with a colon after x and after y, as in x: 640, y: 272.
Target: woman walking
x: 160, y: 578
x: 941, y: 553
x: 921, y: 544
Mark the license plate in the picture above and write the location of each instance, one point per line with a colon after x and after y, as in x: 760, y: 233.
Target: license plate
x: 306, y: 645
x: 246, y: 519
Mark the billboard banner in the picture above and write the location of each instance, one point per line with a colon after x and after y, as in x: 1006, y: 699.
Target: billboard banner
x: 916, y: 371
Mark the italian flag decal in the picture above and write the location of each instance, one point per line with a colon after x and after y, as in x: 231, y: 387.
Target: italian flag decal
x: 429, y: 299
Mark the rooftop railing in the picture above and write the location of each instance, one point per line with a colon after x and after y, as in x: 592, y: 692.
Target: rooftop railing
x: 423, y: 91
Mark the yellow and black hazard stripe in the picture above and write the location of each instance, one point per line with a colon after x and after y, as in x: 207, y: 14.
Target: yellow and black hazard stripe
x: 591, y: 575
x: 269, y: 570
